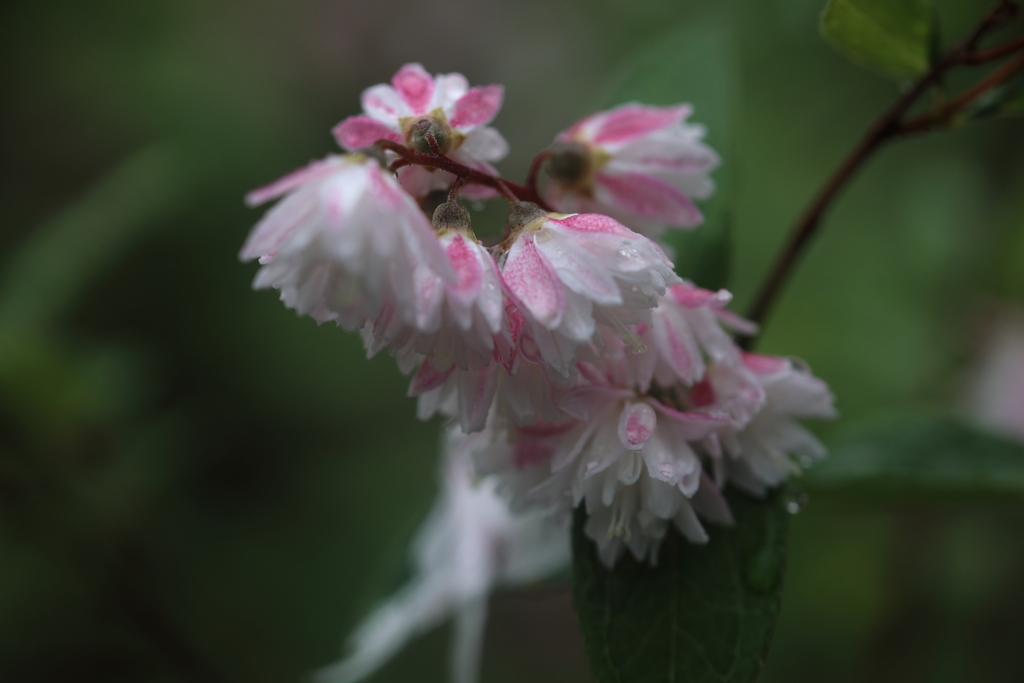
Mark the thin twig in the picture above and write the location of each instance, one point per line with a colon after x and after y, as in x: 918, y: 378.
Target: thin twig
x: 534, y: 173
x: 885, y: 127
x: 434, y: 147
x: 1003, y: 11
x: 453, y: 193
x: 508, y: 189
x: 994, y: 53
x: 946, y: 114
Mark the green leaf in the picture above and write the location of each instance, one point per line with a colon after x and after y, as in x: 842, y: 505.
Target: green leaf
x: 923, y: 458
x: 890, y: 36
x: 703, y: 614
x: 695, y: 63
x: 1014, y: 105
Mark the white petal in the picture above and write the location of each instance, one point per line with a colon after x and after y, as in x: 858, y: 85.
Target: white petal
x: 689, y: 526
x: 468, y: 640
x: 485, y: 144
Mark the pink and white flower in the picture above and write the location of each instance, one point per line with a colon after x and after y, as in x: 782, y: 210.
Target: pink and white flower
x: 455, y: 323
x: 628, y: 457
x: 459, y: 113
x: 639, y: 463
x: 640, y: 164
x: 343, y: 240
x: 470, y: 545
x: 685, y: 335
x: 764, y: 397
x: 569, y: 273
x: 462, y: 395
x: 521, y: 392
x: 518, y: 457
x: 631, y: 461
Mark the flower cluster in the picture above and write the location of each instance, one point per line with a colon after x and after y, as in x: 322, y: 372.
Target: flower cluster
x: 650, y: 439
x: 576, y: 366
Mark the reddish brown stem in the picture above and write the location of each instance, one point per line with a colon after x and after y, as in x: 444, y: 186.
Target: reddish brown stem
x: 434, y: 147
x: 994, y: 53
x: 885, y: 127
x: 453, y: 193
x: 511, y: 191
x: 534, y: 173
x: 946, y: 114
x: 1001, y: 12
x: 507, y: 193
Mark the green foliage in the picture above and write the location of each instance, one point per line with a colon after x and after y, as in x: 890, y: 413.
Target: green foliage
x: 893, y: 37
x: 924, y: 457
x: 1014, y: 105
x: 43, y: 278
x: 696, y: 63
x: 703, y: 614
x: 1004, y: 100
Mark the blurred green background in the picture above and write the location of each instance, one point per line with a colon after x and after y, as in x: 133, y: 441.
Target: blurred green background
x: 197, y: 485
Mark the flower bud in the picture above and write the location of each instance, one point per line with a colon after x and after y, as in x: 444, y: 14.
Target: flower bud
x: 428, y: 125
x: 522, y: 214
x: 452, y: 217
x: 569, y: 163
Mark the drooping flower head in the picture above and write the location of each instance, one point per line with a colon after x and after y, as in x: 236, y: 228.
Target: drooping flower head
x: 641, y: 462
x: 461, y: 322
x: 633, y: 464
x: 629, y: 458
x: 569, y: 273
x: 344, y: 240
x: 640, y: 164
x: 647, y: 441
x: 522, y: 392
x: 686, y: 333
x: 416, y: 103
x: 764, y: 397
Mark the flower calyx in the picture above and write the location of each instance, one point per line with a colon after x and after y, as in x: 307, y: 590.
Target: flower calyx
x: 524, y: 216
x: 419, y: 130
x: 571, y: 164
x: 451, y: 216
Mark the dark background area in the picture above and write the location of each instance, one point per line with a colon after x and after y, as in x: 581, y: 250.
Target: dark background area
x: 197, y: 485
